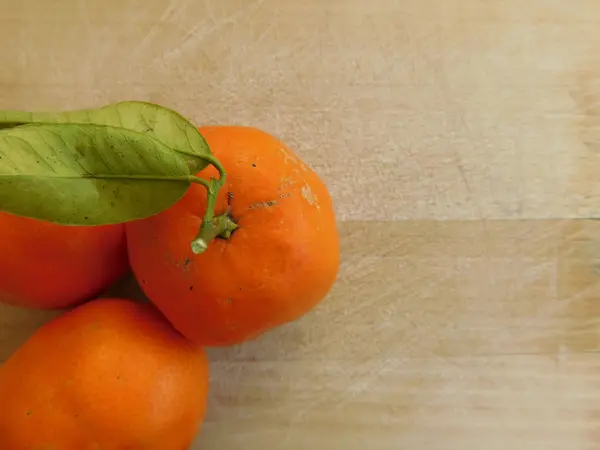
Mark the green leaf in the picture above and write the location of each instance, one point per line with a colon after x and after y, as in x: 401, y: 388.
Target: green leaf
x: 156, y: 121
x: 87, y: 174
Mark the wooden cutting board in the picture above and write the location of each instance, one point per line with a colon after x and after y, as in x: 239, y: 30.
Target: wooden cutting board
x: 461, y: 143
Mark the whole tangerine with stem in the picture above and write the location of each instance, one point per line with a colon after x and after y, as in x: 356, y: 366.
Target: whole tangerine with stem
x: 268, y: 255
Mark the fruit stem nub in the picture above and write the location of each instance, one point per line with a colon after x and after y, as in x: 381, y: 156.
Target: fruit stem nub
x: 220, y: 226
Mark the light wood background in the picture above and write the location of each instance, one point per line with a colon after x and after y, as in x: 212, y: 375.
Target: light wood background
x: 461, y: 143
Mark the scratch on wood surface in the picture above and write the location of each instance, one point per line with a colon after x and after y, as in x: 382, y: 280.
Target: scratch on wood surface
x: 85, y: 13
x: 366, y: 382
x: 169, y: 12
x: 351, y: 389
x: 200, y: 32
x: 88, y: 63
x: 268, y: 29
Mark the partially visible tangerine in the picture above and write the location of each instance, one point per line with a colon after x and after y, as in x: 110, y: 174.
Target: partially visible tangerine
x: 110, y: 374
x: 44, y: 265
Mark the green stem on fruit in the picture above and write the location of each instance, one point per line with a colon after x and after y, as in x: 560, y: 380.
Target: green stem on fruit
x: 212, y: 226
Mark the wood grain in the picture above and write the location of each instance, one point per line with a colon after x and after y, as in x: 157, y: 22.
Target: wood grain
x: 460, y: 140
